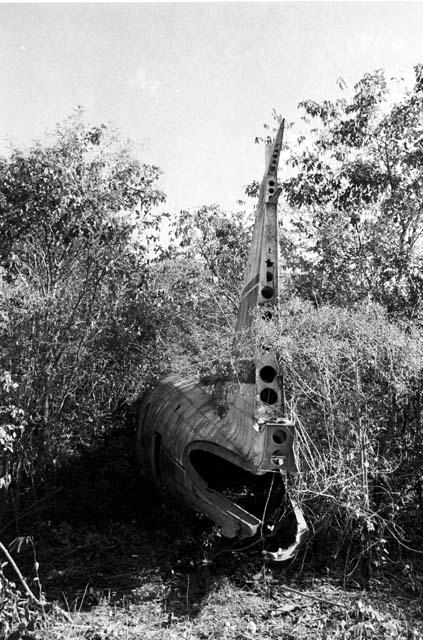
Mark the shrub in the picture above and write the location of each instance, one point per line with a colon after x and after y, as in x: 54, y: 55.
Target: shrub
x: 353, y: 381
x: 78, y: 335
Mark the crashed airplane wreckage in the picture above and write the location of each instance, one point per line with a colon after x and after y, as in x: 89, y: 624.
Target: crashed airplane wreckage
x: 231, y: 465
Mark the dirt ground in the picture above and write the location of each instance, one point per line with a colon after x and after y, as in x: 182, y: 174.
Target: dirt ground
x: 126, y: 565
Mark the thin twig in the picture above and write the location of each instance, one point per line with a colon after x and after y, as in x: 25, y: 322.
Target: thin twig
x: 40, y: 603
x: 313, y: 597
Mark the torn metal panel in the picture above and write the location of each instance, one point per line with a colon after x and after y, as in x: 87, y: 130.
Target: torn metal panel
x: 222, y: 446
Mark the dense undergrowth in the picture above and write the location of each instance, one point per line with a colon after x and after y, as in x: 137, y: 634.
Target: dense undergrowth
x: 123, y: 563
x: 94, y: 310
x: 354, y: 380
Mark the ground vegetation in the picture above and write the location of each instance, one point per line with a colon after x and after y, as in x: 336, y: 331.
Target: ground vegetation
x: 95, y: 307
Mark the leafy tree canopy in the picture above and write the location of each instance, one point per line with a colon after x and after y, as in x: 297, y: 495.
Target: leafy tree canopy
x: 356, y: 193
x: 78, y: 335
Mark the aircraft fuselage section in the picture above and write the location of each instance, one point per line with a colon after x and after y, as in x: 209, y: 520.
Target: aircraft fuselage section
x: 180, y: 435
x: 219, y: 446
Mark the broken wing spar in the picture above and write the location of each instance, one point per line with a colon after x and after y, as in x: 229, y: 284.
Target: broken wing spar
x: 223, y: 463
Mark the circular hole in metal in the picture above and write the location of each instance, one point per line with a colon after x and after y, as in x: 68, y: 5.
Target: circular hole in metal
x: 267, y: 373
x: 269, y: 396
x: 279, y: 436
x: 269, y: 276
x: 278, y: 459
x: 271, y: 183
x: 267, y: 292
x: 267, y: 315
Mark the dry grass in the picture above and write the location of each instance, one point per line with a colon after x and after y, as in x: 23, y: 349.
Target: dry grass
x: 129, y: 571
x: 264, y: 609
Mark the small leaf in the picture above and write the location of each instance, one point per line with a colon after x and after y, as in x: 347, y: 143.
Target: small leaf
x: 285, y: 608
x: 252, y: 627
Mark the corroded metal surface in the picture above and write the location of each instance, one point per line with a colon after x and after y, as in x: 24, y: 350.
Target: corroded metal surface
x: 215, y: 461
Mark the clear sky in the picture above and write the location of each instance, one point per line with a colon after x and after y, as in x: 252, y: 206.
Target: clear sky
x: 192, y: 84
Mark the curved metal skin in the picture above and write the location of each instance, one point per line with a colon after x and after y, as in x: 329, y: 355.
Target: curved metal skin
x: 194, y: 446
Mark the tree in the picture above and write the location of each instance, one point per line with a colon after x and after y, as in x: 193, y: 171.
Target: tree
x: 78, y: 335
x: 196, y: 284
x: 356, y: 197
x: 349, y: 328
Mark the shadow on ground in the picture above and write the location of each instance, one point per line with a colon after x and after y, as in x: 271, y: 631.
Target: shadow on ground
x: 108, y: 535
x: 131, y: 565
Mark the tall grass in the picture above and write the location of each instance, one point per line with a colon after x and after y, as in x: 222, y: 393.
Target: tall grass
x: 354, y: 386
